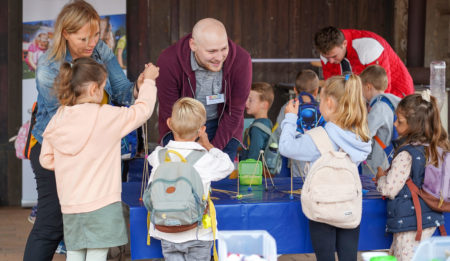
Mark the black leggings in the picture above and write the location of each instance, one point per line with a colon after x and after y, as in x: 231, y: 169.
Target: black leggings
x: 47, y: 230
x: 327, y: 239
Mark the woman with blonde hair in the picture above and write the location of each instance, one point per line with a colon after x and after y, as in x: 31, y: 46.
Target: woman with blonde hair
x: 76, y: 35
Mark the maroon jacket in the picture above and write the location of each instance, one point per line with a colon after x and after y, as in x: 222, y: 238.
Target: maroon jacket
x: 176, y: 79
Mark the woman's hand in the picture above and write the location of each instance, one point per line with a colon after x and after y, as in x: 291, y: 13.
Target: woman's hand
x: 292, y: 107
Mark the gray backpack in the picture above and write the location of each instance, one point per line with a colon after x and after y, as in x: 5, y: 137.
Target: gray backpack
x: 175, y: 196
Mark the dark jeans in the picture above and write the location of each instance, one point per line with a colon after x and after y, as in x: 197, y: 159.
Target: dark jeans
x: 211, y: 128
x: 47, y: 230
x: 327, y: 239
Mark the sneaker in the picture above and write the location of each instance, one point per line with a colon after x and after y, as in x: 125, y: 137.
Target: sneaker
x: 61, y: 249
x: 32, y: 216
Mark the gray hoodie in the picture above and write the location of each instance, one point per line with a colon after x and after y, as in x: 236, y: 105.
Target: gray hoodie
x: 381, y: 123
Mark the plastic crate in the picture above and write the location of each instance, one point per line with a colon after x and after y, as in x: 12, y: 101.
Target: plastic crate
x: 250, y: 172
x: 434, y: 248
x: 247, y: 242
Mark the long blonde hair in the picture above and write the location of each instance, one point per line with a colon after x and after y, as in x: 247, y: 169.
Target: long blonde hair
x: 351, y: 112
x: 72, y: 17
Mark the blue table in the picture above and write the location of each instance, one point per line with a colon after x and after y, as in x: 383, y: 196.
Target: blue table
x: 270, y: 210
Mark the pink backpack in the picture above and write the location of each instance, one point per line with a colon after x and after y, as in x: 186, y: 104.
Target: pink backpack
x: 436, y: 185
x: 332, y: 192
x: 21, y: 140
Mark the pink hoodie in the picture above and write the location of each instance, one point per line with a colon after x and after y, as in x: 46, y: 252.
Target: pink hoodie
x: 82, y: 144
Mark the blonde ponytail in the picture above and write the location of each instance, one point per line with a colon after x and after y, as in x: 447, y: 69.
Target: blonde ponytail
x: 351, y: 112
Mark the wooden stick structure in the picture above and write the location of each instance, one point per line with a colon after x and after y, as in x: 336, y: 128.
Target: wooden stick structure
x: 145, y: 170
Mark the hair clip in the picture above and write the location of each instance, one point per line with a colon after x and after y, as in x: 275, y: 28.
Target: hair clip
x: 347, y: 76
x: 426, y: 95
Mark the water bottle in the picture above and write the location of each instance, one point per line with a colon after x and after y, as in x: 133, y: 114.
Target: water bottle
x: 437, y: 81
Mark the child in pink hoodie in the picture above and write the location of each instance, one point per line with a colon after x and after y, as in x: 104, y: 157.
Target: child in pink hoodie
x: 82, y: 145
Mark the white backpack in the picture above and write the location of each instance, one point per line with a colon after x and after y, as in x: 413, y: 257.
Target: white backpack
x: 332, y: 192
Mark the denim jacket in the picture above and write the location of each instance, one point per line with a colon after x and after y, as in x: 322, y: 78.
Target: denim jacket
x: 118, y: 87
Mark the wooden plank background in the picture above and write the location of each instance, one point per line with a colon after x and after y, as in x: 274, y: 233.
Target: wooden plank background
x: 265, y: 28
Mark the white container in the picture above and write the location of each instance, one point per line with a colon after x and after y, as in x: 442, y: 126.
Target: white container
x: 434, y: 247
x: 247, y: 242
x: 437, y: 81
x: 368, y: 255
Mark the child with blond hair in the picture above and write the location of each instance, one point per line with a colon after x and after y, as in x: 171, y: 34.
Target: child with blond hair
x: 343, y: 107
x: 257, y: 134
x: 380, y: 117
x: 187, y: 124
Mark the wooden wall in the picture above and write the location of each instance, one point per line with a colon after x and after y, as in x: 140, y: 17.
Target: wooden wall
x: 10, y: 100
x: 266, y: 28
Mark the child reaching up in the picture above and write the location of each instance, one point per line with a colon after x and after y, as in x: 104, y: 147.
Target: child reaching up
x: 342, y: 106
x: 82, y: 145
x: 420, y: 134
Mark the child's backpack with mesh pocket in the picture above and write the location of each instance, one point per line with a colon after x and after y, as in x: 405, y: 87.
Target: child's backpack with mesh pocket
x: 175, y: 198
x: 309, y: 115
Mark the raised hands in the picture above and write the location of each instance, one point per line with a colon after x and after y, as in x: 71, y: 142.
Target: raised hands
x: 151, y: 71
x: 292, y: 106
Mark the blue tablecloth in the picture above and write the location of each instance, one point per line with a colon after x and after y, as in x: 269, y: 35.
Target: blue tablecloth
x: 269, y: 209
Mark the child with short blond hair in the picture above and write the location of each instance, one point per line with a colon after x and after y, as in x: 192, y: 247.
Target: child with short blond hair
x: 187, y: 123
x: 380, y: 117
x: 258, y: 104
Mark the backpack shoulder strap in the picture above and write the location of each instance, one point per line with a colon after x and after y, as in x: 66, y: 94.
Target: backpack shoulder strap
x: 321, y: 139
x: 300, y: 98
x: 414, y: 193
x: 262, y: 127
x: 194, y: 156
x: 162, y: 155
x: 384, y: 99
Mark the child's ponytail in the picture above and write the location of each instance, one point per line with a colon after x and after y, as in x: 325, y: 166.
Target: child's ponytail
x: 64, y: 90
x: 424, y: 124
x: 351, y: 112
x: 74, y: 77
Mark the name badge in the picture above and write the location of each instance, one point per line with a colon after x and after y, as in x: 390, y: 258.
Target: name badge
x: 215, y: 99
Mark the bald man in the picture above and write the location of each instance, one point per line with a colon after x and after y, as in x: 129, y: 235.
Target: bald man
x: 211, y: 68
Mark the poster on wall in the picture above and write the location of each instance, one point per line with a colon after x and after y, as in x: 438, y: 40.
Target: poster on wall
x: 38, y: 21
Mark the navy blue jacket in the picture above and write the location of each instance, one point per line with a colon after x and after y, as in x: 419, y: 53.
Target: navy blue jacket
x: 401, y: 213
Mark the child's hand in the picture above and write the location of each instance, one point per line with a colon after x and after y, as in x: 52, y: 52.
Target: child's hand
x: 292, y: 106
x: 151, y: 71
x: 380, y: 173
x: 204, y: 141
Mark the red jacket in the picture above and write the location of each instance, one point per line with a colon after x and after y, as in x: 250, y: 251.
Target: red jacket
x: 177, y: 79
x: 365, y: 48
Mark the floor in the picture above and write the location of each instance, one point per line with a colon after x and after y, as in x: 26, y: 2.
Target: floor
x: 14, y: 229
